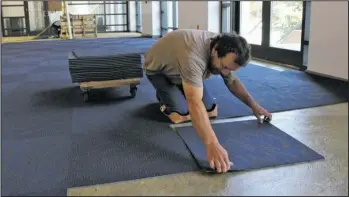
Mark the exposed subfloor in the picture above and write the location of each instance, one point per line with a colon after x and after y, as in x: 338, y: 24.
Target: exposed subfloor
x: 325, y: 129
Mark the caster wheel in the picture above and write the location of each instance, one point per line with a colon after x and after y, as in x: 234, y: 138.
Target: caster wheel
x: 85, y: 96
x: 133, y: 91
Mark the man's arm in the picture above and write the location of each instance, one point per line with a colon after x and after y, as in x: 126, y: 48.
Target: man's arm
x: 199, y: 116
x: 237, y: 88
x: 216, y: 154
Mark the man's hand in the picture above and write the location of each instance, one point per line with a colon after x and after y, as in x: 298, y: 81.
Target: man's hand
x: 216, y: 154
x: 236, y: 87
x: 218, y: 157
x: 259, y: 111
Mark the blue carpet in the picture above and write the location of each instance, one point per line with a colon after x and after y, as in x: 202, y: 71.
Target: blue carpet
x: 278, y: 91
x: 250, y: 145
x: 52, y: 140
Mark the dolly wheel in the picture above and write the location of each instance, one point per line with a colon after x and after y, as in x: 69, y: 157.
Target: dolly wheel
x: 133, y: 91
x: 86, y: 96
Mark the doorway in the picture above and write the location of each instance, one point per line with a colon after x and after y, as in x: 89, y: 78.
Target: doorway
x: 273, y: 28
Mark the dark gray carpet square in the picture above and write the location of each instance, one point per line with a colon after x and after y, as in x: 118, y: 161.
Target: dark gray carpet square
x: 36, y: 166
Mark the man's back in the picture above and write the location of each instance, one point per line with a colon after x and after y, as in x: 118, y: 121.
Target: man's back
x: 181, y: 54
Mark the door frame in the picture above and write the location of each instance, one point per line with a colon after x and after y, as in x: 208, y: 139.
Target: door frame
x: 264, y: 51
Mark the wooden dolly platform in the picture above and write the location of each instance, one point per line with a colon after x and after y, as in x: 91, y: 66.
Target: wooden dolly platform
x: 85, y: 87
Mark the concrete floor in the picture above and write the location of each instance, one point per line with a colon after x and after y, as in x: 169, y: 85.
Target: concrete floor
x: 325, y: 129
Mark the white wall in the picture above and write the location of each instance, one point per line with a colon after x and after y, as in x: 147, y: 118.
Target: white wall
x: 193, y: 13
x: 206, y: 14
x: 150, y: 18
x: 147, y: 22
x: 328, y: 39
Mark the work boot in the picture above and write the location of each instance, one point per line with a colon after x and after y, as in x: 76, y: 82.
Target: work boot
x: 175, y: 117
x: 213, y: 113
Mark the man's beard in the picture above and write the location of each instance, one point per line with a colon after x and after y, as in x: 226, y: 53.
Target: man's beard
x: 213, y: 68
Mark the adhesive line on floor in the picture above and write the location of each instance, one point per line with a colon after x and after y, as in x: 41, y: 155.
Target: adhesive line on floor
x: 225, y: 120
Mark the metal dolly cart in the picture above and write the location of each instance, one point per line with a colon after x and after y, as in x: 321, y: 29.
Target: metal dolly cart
x: 86, y: 87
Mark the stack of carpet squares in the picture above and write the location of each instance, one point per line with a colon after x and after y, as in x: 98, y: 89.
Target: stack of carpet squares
x: 87, y: 67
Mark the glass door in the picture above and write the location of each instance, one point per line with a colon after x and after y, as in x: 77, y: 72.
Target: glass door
x: 273, y: 28
x: 251, y: 21
x: 286, y: 25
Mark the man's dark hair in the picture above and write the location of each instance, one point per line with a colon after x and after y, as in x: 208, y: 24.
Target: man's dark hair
x: 232, y: 42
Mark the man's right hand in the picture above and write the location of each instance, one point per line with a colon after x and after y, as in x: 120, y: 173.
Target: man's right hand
x: 216, y: 154
x: 218, y: 157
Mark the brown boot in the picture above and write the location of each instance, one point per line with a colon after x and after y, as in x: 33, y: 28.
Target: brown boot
x: 175, y: 118
x: 214, y: 112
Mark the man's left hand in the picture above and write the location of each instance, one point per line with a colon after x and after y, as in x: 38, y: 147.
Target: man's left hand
x: 259, y: 111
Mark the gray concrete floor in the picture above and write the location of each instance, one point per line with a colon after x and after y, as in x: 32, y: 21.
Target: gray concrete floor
x: 324, y: 129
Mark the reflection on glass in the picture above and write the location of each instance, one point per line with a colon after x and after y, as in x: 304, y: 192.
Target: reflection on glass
x: 251, y: 21
x: 286, y: 24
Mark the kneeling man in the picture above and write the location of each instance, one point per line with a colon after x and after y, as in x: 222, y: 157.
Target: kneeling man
x: 177, y: 66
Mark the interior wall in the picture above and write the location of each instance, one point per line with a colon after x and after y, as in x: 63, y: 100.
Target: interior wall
x: 206, y: 15
x: 147, y: 16
x: 328, y: 39
x: 192, y: 14
x: 151, y: 18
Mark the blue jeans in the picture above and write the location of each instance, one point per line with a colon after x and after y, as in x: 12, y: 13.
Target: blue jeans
x: 172, y: 95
